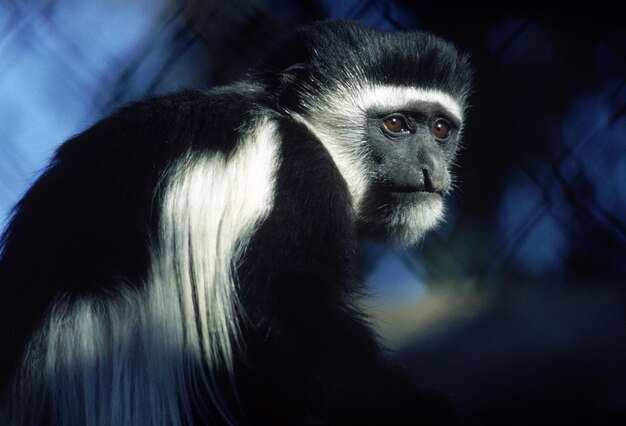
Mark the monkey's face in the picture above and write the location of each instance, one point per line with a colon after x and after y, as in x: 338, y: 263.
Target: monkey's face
x: 410, y: 152
x: 394, y: 147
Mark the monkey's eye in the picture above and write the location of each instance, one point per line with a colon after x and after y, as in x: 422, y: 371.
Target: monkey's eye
x: 441, y: 129
x: 396, y: 124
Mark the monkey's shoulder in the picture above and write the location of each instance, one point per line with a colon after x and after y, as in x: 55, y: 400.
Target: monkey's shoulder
x: 167, y: 125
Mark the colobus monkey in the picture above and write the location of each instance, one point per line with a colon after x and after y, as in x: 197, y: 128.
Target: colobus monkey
x: 190, y: 259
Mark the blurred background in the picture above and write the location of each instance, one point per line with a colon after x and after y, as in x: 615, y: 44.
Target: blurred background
x: 516, y: 306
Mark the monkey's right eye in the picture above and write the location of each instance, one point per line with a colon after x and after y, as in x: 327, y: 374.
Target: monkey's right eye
x: 395, y: 124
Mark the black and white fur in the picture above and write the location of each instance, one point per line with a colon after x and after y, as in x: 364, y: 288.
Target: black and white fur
x: 190, y: 259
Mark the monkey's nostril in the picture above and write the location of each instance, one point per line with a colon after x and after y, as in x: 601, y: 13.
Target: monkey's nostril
x: 428, y: 183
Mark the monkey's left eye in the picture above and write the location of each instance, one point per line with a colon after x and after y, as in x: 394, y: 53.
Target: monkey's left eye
x: 396, y: 124
x: 441, y: 129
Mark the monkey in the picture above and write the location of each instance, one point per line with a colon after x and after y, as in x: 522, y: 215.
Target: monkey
x: 190, y: 258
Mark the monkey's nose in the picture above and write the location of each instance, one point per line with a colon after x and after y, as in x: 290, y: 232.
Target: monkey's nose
x: 433, y: 179
x: 428, y: 183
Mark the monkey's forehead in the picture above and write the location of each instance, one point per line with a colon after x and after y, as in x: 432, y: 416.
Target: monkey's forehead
x: 351, y: 102
x: 398, y: 98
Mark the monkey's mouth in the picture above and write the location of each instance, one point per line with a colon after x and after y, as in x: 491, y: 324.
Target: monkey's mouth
x: 408, y: 190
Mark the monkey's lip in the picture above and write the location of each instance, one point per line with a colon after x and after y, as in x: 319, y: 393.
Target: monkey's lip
x: 407, y: 190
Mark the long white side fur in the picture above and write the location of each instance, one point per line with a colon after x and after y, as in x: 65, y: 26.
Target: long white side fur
x: 137, y: 356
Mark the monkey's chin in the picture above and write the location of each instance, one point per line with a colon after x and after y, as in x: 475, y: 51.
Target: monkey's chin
x: 403, y: 219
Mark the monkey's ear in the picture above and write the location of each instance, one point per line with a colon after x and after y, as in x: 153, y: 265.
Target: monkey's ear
x: 289, y: 83
x: 295, y: 73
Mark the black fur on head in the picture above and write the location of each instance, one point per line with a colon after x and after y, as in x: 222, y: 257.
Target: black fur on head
x: 330, y: 54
